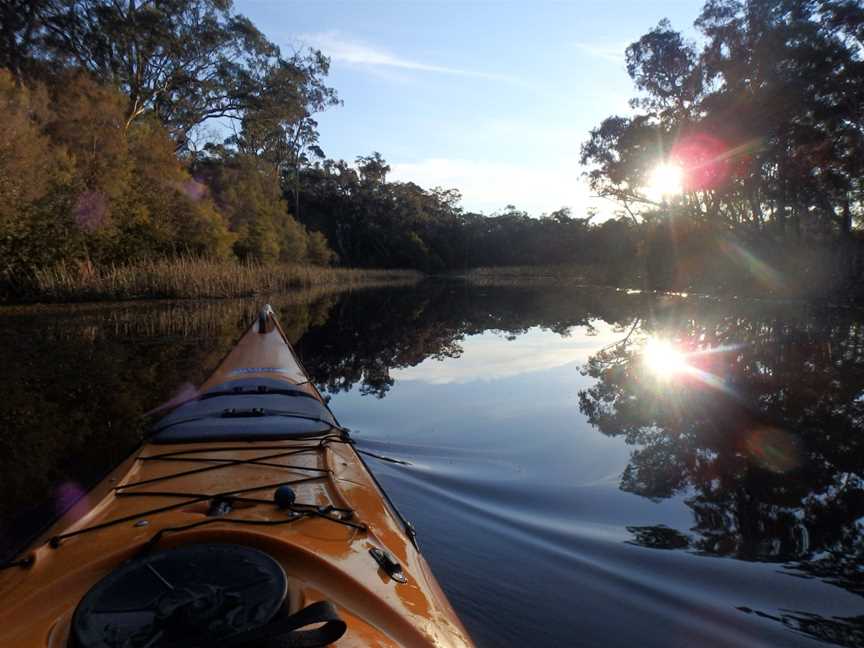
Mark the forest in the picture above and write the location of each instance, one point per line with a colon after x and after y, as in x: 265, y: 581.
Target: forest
x: 153, y: 129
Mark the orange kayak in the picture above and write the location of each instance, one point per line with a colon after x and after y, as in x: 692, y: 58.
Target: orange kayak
x: 246, y: 519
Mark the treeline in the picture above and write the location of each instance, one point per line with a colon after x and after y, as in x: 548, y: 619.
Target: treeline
x: 114, y: 155
x: 115, y: 151
x: 372, y: 222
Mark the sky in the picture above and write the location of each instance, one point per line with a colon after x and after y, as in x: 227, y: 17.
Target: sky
x: 491, y: 98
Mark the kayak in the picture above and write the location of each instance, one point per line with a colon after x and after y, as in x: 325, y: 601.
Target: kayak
x: 246, y: 518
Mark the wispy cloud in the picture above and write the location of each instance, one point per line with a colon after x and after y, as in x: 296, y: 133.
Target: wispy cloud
x: 343, y: 49
x: 613, y: 52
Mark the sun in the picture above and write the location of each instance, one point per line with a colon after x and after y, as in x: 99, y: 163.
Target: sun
x: 666, y: 179
x: 663, y: 359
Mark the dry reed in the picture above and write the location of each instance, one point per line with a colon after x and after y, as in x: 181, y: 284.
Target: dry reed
x: 191, y: 278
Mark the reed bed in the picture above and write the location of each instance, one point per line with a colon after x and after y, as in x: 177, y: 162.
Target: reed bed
x: 189, y: 278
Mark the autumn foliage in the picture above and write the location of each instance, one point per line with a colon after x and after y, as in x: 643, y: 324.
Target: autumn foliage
x: 80, y: 186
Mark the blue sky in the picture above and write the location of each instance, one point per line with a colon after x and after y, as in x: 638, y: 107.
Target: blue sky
x: 491, y: 98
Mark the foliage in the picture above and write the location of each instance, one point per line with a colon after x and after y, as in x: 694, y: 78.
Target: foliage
x: 187, y: 61
x: 80, y: 187
x: 247, y: 191
x: 765, y: 120
x: 100, y: 98
x: 193, y: 278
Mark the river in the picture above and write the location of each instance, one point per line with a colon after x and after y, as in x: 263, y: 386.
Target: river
x: 584, y: 467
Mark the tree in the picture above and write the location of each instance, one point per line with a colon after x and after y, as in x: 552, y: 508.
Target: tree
x: 19, y: 29
x: 318, y: 252
x: 281, y: 127
x: 664, y: 67
x: 185, y: 60
x: 79, y: 187
x: 373, y: 168
x: 247, y: 191
x: 34, y: 175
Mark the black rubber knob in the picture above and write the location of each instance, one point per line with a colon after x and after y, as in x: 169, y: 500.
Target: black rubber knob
x: 284, y: 496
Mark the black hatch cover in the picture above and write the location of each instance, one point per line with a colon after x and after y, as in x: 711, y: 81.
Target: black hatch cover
x: 193, y: 595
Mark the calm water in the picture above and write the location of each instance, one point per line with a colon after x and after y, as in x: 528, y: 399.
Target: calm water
x: 583, y: 467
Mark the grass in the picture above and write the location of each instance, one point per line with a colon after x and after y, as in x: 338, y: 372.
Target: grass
x: 188, y: 278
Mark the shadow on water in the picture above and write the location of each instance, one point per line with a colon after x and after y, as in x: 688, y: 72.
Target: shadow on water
x: 567, y: 490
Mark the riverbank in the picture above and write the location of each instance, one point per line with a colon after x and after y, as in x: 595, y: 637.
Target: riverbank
x: 185, y: 278
x: 563, y: 275
x: 809, y: 284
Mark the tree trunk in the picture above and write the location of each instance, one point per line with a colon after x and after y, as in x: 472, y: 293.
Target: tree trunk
x: 846, y: 225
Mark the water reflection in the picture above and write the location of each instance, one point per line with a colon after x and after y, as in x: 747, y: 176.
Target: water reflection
x: 77, y: 382
x: 757, y: 424
x: 556, y: 444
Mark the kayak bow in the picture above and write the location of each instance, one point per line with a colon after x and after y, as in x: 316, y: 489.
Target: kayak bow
x: 247, y: 518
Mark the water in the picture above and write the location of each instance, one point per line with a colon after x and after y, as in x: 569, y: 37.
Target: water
x: 569, y: 488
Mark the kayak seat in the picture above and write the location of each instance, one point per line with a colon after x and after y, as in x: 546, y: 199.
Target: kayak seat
x: 246, y: 410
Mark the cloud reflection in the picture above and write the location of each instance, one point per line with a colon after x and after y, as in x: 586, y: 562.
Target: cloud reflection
x: 485, y: 358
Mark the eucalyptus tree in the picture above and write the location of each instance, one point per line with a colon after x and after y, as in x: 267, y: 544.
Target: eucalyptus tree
x: 767, y: 119
x: 280, y: 126
x: 187, y: 61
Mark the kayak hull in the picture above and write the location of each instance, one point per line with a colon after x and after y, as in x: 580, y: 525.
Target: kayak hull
x: 163, y: 496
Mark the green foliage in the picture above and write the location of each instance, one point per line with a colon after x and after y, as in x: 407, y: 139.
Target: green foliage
x: 78, y: 186
x: 185, y: 60
x: 33, y: 175
x: 317, y: 250
x: 247, y: 191
x: 374, y: 223
x: 765, y: 121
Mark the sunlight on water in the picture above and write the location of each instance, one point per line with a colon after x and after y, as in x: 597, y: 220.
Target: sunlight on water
x: 663, y: 359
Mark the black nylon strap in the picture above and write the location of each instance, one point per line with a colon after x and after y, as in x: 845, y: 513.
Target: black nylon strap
x: 287, y: 632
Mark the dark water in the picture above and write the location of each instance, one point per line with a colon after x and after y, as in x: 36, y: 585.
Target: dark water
x: 584, y: 467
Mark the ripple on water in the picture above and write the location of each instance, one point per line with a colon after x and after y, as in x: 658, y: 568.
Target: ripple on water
x: 522, y: 559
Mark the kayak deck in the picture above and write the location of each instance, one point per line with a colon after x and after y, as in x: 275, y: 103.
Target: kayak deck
x: 199, y: 480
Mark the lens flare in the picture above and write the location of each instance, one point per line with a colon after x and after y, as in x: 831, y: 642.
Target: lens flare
x: 91, y: 211
x: 667, y: 179
x: 66, y: 495
x: 663, y: 359
x: 774, y: 449
x: 706, y: 159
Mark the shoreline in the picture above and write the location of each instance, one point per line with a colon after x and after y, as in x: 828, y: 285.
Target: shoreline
x: 194, y: 279
x: 576, y: 276
x: 185, y: 279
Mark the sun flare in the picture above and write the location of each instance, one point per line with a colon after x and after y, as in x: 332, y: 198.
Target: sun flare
x: 667, y: 179
x: 663, y: 359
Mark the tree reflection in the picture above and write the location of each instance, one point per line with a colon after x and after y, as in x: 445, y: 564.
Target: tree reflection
x: 370, y: 333
x: 77, y: 381
x: 762, y: 438
x: 758, y: 428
